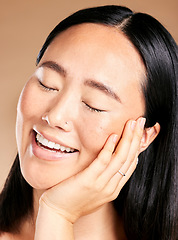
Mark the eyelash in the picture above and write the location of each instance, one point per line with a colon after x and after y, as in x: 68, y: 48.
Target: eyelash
x: 45, y: 87
x: 88, y: 106
x: 93, y: 109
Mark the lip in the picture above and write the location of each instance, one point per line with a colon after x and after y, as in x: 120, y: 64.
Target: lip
x: 48, y: 155
x: 52, y: 139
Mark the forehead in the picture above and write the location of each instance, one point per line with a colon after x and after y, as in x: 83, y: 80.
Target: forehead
x: 97, y: 50
x: 99, y: 39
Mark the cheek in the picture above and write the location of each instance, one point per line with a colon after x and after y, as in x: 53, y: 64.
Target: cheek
x: 94, y: 136
x: 29, y: 109
x: 29, y: 103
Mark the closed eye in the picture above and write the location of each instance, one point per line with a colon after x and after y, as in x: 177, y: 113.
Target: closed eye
x: 46, y: 88
x: 92, y: 109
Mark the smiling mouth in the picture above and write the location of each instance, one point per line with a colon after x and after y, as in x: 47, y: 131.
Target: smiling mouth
x: 52, y: 146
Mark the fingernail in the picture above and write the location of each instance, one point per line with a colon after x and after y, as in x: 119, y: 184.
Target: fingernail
x: 115, y: 138
x: 133, y: 124
x: 142, y: 122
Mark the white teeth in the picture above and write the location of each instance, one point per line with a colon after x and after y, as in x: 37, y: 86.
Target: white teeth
x: 38, y: 137
x: 56, y: 146
x: 67, y: 149
x: 62, y: 148
x: 44, y: 141
x: 52, y: 145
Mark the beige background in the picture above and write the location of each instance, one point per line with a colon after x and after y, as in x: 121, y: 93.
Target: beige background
x: 24, y: 26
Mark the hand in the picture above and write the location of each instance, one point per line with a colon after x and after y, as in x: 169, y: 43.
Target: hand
x: 100, y: 182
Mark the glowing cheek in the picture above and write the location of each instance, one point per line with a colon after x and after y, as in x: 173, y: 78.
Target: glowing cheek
x: 95, y: 134
x: 30, y: 104
x: 98, y: 131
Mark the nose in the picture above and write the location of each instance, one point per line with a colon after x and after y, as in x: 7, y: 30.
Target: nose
x: 61, y: 113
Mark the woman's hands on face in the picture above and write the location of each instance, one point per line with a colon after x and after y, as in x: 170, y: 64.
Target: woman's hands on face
x: 100, y: 182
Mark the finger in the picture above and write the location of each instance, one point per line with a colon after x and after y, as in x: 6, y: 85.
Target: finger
x: 120, y: 155
x: 128, y: 174
x: 116, y: 183
x: 126, y: 138
x: 135, y: 146
x: 103, y: 159
x: 124, y: 179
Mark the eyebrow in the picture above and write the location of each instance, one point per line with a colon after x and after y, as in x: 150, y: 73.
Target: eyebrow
x: 54, y: 66
x: 90, y: 83
x: 102, y: 87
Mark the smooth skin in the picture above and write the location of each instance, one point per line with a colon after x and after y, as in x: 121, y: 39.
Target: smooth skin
x: 100, y: 184
x: 90, y: 77
x: 87, y: 55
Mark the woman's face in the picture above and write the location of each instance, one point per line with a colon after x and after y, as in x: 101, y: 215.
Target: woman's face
x: 86, y: 86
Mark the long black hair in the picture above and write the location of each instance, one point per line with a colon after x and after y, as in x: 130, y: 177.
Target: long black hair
x: 148, y: 201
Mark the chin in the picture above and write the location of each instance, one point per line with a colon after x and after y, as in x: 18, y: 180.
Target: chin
x: 40, y: 181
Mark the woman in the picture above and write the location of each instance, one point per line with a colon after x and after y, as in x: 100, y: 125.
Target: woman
x: 101, y: 73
